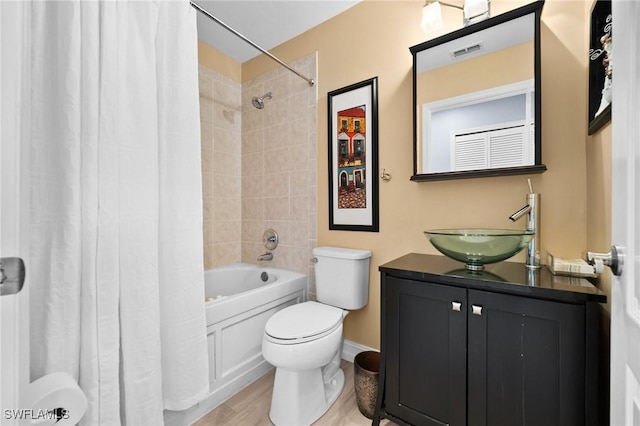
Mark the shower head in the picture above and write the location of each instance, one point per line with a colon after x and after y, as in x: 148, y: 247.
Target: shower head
x: 258, y: 102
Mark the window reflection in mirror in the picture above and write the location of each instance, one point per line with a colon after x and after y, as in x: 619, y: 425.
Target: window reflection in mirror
x: 475, y: 99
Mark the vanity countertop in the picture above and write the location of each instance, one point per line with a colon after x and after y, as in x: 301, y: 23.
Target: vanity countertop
x: 504, y: 277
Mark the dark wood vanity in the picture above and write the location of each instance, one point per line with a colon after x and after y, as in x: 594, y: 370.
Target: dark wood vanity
x: 503, y: 347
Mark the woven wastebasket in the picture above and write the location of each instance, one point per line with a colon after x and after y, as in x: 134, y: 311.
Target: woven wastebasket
x: 366, y: 371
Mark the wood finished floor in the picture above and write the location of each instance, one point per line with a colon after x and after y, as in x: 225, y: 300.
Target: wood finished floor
x: 251, y: 406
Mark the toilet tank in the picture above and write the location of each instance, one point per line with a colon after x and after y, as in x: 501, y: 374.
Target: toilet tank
x: 342, y: 276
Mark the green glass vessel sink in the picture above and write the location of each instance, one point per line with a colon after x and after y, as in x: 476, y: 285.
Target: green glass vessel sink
x: 476, y: 247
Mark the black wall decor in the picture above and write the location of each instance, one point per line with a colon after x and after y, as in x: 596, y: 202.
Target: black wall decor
x: 353, y: 157
x: 600, y: 67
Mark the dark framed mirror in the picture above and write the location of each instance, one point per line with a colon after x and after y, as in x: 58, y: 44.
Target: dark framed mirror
x: 476, y: 99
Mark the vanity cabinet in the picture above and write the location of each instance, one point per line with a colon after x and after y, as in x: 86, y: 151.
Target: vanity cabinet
x: 501, y: 347
x: 425, y: 352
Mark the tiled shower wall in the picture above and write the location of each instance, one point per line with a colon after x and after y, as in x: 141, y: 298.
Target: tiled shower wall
x: 259, y: 167
x: 279, y: 166
x: 220, y: 120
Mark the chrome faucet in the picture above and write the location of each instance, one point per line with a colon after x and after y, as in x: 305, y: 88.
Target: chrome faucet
x: 533, y: 224
x: 266, y: 256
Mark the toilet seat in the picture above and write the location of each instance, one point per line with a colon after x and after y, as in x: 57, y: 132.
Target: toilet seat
x: 303, y: 322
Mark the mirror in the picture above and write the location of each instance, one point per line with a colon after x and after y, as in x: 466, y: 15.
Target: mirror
x: 477, y: 99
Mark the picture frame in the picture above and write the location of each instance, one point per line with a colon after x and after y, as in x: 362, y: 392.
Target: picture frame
x: 600, y: 68
x: 353, y: 157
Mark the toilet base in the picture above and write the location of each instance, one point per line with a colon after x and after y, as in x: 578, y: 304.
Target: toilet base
x: 302, y: 397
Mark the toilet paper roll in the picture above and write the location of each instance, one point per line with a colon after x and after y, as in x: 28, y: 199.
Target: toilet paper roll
x: 56, y: 399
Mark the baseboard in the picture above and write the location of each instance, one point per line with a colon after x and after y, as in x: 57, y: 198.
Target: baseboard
x: 351, y: 349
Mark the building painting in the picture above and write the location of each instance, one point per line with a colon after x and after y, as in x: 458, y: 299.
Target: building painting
x: 352, y: 158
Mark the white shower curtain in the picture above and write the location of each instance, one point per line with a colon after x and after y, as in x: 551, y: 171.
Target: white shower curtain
x: 116, y: 210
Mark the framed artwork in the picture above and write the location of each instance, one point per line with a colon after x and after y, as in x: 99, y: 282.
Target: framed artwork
x: 600, y: 66
x: 353, y: 157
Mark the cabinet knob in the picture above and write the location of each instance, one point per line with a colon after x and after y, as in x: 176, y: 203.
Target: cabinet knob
x: 476, y: 310
x: 456, y: 306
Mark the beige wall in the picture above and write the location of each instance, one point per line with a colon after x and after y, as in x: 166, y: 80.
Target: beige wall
x: 385, y: 30
x: 599, y: 198
x: 476, y: 74
x: 218, y: 62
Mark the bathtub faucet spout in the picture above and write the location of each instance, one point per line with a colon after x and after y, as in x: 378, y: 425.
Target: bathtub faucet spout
x: 266, y: 256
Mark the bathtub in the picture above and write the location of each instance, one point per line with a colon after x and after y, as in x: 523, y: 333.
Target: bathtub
x: 240, y: 298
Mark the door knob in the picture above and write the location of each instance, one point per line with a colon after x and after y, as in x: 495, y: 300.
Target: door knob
x: 614, y: 259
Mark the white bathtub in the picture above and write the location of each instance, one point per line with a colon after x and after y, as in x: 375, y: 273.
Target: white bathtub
x: 239, y: 303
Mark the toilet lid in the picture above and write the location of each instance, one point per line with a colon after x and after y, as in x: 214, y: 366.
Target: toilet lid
x: 303, y: 320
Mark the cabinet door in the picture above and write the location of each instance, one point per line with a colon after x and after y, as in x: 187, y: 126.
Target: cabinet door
x: 526, y: 361
x: 426, y: 352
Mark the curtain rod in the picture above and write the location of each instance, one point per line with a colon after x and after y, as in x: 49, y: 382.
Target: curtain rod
x: 203, y: 11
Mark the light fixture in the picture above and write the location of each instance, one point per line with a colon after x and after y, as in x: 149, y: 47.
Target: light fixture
x: 473, y: 11
x: 431, y: 17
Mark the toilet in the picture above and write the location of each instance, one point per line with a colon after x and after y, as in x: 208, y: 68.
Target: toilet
x: 304, y: 341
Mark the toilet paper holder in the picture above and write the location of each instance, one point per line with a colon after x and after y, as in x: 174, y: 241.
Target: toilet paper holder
x: 57, y: 397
